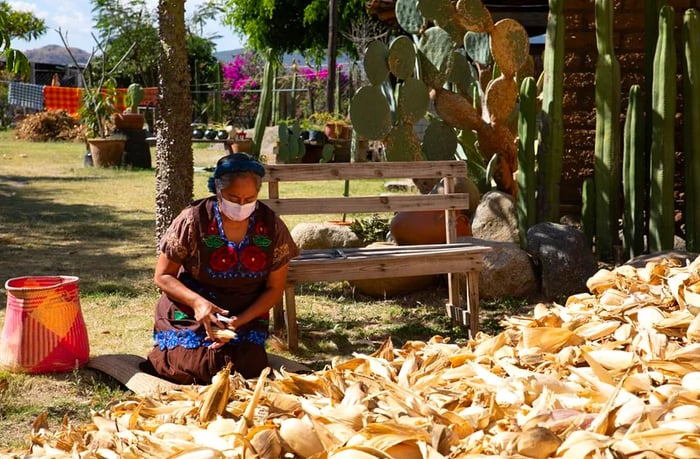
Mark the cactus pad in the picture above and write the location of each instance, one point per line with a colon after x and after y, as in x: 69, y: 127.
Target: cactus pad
x: 476, y: 17
x: 376, y: 66
x: 431, y: 75
x: 463, y: 74
x: 402, y: 57
x: 408, y: 15
x: 478, y: 47
x: 501, y: 96
x: 436, y: 10
x: 455, y: 109
x: 437, y: 46
x: 370, y: 113
x: 510, y: 46
x: 439, y: 141
x: 455, y: 28
x: 414, y: 100
x: 402, y: 144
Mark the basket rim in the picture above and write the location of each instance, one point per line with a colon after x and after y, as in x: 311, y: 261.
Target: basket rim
x: 60, y: 280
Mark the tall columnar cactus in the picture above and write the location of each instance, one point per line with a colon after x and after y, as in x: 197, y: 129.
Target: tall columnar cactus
x: 633, y: 179
x: 607, y: 144
x: 439, y: 53
x: 526, y: 178
x: 551, y: 148
x: 651, y: 34
x: 264, y: 105
x: 293, y: 101
x: 662, y: 151
x: 691, y: 126
x: 588, y: 213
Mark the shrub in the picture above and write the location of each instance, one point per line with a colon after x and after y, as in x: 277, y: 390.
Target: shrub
x: 371, y: 229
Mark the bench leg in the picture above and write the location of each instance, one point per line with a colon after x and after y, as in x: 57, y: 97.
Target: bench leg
x: 278, y: 316
x: 453, y: 289
x: 291, y: 318
x: 473, y: 301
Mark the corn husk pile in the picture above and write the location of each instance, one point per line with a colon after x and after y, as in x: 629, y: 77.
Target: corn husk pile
x: 611, y: 374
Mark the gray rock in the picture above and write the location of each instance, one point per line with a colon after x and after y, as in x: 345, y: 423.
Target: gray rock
x: 496, y: 218
x: 564, y: 257
x: 681, y: 255
x: 324, y: 236
x: 507, y: 270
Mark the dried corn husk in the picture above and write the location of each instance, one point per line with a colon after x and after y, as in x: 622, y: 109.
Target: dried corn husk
x: 611, y: 373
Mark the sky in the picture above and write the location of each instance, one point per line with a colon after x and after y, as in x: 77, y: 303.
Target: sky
x: 74, y: 18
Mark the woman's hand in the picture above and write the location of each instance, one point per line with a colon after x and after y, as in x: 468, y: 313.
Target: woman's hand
x: 205, y: 312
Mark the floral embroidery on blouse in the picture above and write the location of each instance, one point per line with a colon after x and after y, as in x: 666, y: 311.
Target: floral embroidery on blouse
x: 245, y: 259
x: 281, y: 253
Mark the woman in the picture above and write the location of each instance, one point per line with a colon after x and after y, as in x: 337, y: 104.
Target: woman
x: 223, y: 264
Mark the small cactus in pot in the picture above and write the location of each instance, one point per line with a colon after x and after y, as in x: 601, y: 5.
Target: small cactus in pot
x: 131, y: 118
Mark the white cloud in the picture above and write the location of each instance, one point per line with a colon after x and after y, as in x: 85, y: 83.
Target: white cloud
x: 29, y: 7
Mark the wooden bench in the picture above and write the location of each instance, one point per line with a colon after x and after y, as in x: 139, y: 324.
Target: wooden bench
x: 384, y: 262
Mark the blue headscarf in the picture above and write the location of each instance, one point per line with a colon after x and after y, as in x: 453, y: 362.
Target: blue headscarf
x: 235, y: 162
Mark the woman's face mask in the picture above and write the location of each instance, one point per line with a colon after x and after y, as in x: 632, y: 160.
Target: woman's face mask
x: 236, y: 212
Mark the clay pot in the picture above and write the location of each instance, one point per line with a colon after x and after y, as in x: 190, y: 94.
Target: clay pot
x: 242, y: 146
x: 107, y: 152
x: 128, y: 120
x: 425, y: 227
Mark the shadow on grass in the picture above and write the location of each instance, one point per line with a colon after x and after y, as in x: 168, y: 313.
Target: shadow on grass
x: 41, y: 236
x: 357, y: 324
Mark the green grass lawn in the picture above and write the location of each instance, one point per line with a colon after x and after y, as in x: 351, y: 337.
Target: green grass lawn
x: 59, y: 217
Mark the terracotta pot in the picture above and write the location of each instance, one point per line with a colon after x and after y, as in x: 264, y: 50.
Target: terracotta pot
x: 128, y: 120
x: 242, y: 146
x: 339, y: 222
x: 425, y: 227
x: 107, y: 152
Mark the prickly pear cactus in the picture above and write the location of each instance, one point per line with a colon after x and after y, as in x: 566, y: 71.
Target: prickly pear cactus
x: 453, y: 62
x: 371, y: 107
x: 291, y: 147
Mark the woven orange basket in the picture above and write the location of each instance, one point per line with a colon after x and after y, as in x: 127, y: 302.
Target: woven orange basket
x: 44, y: 329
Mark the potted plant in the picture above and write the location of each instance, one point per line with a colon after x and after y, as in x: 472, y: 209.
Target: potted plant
x: 98, y: 107
x: 334, y: 125
x: 131, y: 118
x: 96, y: 111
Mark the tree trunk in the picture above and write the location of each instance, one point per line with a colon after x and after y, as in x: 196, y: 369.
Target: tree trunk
x: 174, y: 159
x: 332, y: 50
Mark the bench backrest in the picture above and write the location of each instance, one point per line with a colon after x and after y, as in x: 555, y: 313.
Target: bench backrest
x: 449, y: 201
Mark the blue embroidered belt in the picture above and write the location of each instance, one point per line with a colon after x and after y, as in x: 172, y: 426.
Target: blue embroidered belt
x: 188, y: 339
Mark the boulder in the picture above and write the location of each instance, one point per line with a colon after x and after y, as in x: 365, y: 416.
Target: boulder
x: 496, y: 218
x: 324, y: 236
x: 507, y: 270
x: 681, y: 255
x: 564, y: 258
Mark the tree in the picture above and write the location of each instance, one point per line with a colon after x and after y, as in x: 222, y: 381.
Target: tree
x: 22, y: 25
x: 174, y: 159
x: 133, y: 22
x: 287, y: 26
